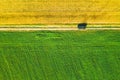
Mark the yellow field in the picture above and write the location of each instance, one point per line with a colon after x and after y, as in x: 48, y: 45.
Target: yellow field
x: 59, y: 11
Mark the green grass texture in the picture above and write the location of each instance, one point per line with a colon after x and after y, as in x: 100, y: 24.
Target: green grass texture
x: 60, y: 55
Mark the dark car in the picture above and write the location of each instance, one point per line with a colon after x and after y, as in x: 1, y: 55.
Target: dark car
x: 82, y: 25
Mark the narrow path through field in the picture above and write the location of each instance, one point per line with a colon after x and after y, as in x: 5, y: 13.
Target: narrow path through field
x: 54, y: 28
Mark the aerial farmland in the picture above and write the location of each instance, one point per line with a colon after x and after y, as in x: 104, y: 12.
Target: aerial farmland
x: 59, y: 40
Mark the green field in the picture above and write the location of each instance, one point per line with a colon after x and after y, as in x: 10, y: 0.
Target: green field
x: 60, y: 55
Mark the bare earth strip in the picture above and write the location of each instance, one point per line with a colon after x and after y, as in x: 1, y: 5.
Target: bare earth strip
x: 53, y: 29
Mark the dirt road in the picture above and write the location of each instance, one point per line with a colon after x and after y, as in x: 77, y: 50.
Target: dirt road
x: 54, y: 29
